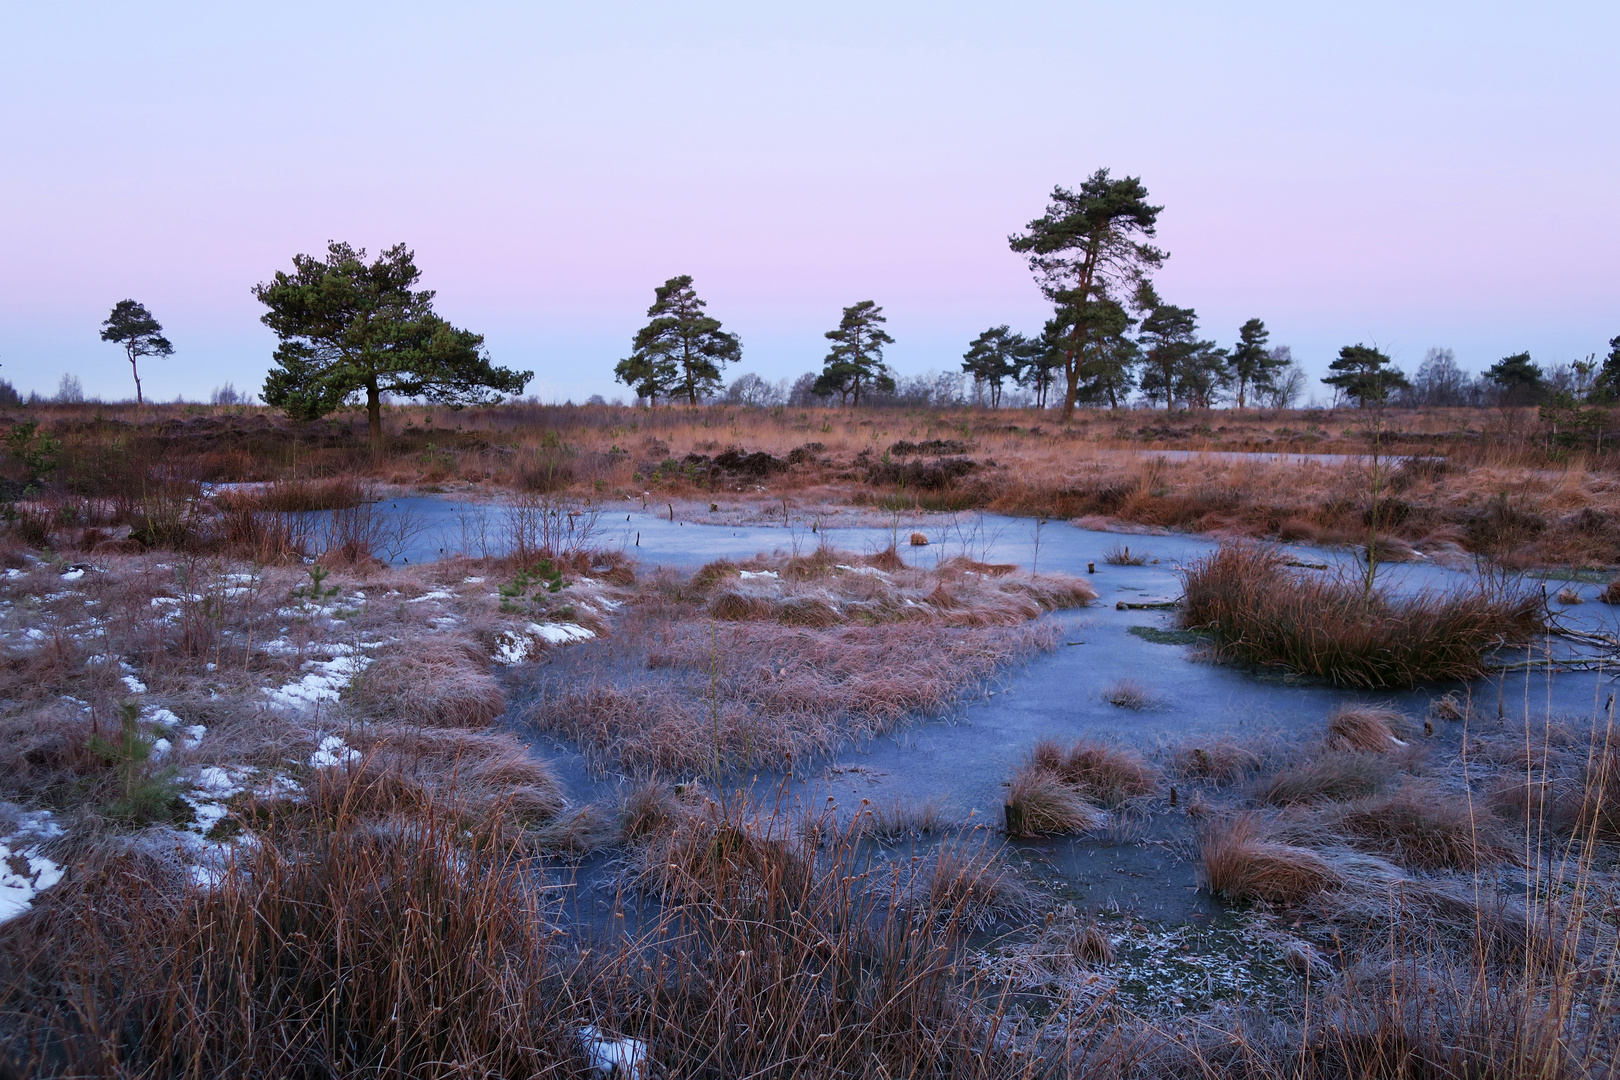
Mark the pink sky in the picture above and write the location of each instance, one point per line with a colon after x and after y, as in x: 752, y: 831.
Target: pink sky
x: 1442, y: 174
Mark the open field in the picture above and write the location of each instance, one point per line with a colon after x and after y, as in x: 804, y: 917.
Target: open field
x: 1493, y: 482
x: 272, y: 807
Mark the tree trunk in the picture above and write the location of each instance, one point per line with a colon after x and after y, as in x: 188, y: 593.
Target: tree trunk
x: 137, y: 373
x: 374, y: 414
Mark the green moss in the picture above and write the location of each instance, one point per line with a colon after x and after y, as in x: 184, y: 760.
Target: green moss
x: 1160, y: 636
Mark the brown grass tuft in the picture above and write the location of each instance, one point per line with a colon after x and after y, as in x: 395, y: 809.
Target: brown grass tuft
x: 1425, y: 827
x: 1371, y: 728
x: 1611, y: 592
x: 1261, y: 613
x: 1129, y: 694
x: 1119, y: 555
x: 1106, y: 774
x: 1040, y: 804
x: 1240, y: 864
x: 1332, y: 777
x: 433, y: 682
x: 1222, y: 761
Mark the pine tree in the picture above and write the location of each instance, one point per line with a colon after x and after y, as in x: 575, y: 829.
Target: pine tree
x: 681, y: 351
x: 1363, y: 373
x: 855, y: 363
x: 347, y: 326
x: 1089, y: 253
x: 133, y: 327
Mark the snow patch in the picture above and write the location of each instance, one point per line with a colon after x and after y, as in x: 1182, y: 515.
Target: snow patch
x: 436, y: 594
x: 134, y: 685
x: 73, y: 575
x: 325, y: 681
x: 749, y: 575
x: 331, y: 752
x: 869, y: 571
x: 514, y: 646
x: 625, y: 1059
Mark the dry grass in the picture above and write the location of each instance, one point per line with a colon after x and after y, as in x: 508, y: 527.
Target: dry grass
x: 1101, y: 464
x: 1422, y: 826
x: 435, y: 683
x: 1261, y: 613
x: 775, y: 685
x: 1240, y: 864
x: 1041, y: 804
x: 1221, y: 761
x: 1370, y: 728
x: 1129, y: 694
x: 1120, y: 555
x: 895, y: 819
x: 1106, y: 774
x: 1611, y: 592
x: 1330, y: 777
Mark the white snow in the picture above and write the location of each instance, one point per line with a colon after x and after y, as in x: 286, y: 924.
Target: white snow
x: 332, y: 752
x: 73, y: 575
x: 514, y: 646
x: 134, y: 685
x: 436, y: 594
x: 325, y: 681
x: 622, y: 1058
x: 24, y: 873
x: 869, y: 571
x: 472, y: 581
x: 749, y: 575
x: 12, y: 574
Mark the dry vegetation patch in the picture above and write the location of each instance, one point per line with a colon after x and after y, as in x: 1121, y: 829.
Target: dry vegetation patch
x: 1259, y: 612
x: 821, y: 651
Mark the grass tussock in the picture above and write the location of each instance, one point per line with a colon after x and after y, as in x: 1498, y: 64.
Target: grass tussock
x: 1041, y: 804
x: 1120, y: 555
x: 436, y: 683
x: 1611, y: 592
x: 1336, y: 776
x: 1107, y: 774
x: 1129, y: 694
x: 1221, y: 762
x: 1330, y: 627
x: 1241, y: 864
x: 1368, y: 728
x: 1425, y: 827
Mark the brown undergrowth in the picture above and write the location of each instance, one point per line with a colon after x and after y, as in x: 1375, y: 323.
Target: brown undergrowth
x: 1452, y: 482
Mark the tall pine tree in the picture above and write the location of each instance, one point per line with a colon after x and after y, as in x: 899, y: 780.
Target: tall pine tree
x: 1089, y: 252
x: 681, y: 352
x: 855, y: 363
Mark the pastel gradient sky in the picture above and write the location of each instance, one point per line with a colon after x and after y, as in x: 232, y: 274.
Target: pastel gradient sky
x: 1411, y: 174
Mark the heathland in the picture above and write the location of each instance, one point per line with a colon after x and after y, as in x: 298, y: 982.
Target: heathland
x: 277, y: 803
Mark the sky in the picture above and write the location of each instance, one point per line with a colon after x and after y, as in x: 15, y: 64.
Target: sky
x: 1403, y: 174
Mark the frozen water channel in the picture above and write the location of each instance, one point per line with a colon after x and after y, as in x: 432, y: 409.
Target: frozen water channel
x: 962, y: 759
